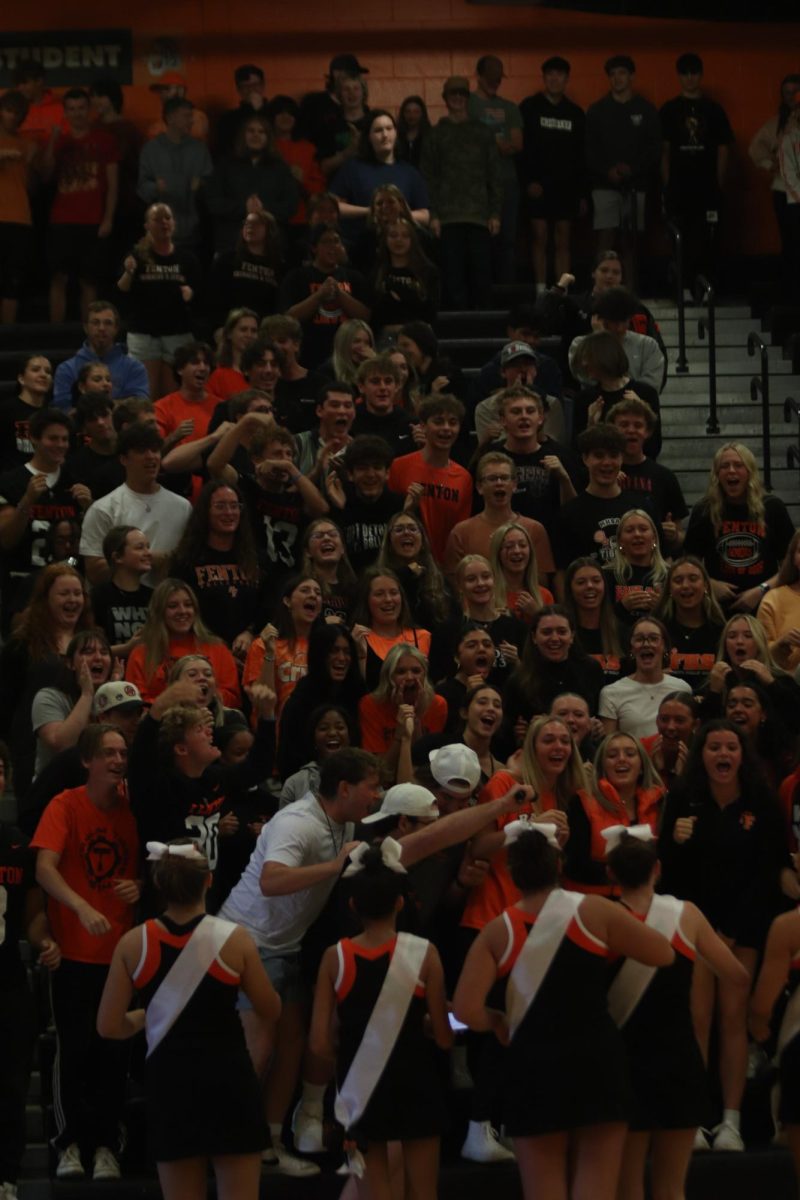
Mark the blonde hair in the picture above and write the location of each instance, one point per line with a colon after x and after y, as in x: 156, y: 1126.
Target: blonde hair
x: 467, y: 561
x: 571, y: 780
x: 715, y: 497
x: 154, y: 633
x: 531, y: 577
x: 759, y: 633
x: 648, y: 778
x: 344, y: 369
x: 623, y: 569
x: 383, y: 692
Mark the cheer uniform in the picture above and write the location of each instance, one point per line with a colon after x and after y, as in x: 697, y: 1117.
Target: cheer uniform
x: 408, y: 1101
x: 203, y: 1098
x: 565, y: 1066
x: 666, y: 1067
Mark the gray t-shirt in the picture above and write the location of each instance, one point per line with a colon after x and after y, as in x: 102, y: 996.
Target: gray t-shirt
x: 49, y: 704
x: 301, y: 835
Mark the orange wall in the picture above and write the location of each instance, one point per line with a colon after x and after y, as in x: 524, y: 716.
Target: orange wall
x: 412, y: 45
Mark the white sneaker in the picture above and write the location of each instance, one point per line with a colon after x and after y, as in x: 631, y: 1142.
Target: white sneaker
x: 278, y: 1161
x: 105, y: 1164
x: 69, y: 1163
x: 727, y: 1137
x: 307, y: 1127
x: 481, y: 1144
x: 701, y: 1141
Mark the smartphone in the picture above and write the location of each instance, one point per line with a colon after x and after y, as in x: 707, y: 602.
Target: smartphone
x: 456, y: 1025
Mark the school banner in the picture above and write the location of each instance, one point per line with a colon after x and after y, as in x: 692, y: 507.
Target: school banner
x: 70, y: 57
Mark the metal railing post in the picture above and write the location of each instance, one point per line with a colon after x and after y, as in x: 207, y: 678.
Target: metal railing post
x: 760, y: 384
x: 682, y: 365
x: 704, y: 294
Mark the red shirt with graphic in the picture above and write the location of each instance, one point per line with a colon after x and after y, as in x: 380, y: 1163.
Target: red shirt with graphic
x: 97, y: 847
x: 81, y: 178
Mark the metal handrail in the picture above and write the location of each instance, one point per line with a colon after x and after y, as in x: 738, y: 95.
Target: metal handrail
x: 759, y: 385
x: 791, y: 408
x: 682, y: 365
x: 704, y: 294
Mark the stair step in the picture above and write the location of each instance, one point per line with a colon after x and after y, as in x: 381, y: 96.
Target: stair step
x: 732, y: 382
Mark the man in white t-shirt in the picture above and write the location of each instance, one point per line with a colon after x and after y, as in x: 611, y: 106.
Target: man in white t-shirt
x: 140, y: 501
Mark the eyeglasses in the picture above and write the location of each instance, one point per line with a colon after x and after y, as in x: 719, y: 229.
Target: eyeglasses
x: 496, y: 479
x: 225, y: 506
x: 646, y: 639
x: 319, y: 534
x: 405, y: 529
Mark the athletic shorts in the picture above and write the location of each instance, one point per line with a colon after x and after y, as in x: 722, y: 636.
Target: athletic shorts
x: 614, y: 210
x: 145, y: 347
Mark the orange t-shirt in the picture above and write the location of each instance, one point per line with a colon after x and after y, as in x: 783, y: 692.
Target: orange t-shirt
x: 174, y: 408
x: 226, y: 381
x: 222, y: 662
x: 15, y: 208
x: 511, y: 601
x: 446, y: 498
x: 303, y: 155
x: 97, y: 847
x: 381, y: 646
x: 498, y: 891
x: 291, y: 664
x: 378, y: 722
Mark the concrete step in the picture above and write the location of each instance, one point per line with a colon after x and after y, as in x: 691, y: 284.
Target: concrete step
x: 727, y: 328
x: 664, y: 310
x: 731, y: 381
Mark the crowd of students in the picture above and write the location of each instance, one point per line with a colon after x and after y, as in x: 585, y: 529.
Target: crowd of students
x: 401, y: 676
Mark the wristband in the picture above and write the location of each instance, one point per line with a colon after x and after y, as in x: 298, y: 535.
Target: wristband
x: 763, y: 588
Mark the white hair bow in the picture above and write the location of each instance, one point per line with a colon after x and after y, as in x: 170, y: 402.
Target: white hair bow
x: 614, y: 834
x: 159, y: 850
x: 391, y: 852
x: 522, y: 825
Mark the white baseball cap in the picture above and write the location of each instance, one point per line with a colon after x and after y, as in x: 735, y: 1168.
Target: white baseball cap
x: 457, y: 768
x: 118, y: 694
x: 408, y: 800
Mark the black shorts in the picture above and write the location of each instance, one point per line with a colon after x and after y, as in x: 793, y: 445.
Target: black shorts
x: 76, y: 250
x: 15, y: 248
x: 558, y: 202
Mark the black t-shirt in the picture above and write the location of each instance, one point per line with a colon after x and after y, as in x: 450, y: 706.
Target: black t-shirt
x: 641, y: 579
x: 242, y: 280
x: 16, y: 446
x: 320, y: 330
x: 100, y: 472
x: 17, y: 876
x: 230, y: 601
x: 661, y: 485
x: 553, y: 143
x: 296, y: 401
x: 592, y: 392
x: 744, y: 552
x: 588, y: 525
x: 54, y: 504
x: 402, y: 296
x: 363, y: 526
x: 694, y: 651
x: 119, y: 613
x: 694, y: 129
x: 538, y: 492
x: 155, y: 303
x: 591, y: 642
x: 278, y: 520
x: 394, y: 427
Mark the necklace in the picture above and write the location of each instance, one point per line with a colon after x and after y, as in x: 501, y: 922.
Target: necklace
x: 336, y: 848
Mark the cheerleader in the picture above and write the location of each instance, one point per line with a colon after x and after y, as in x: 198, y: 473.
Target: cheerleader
x: 187, y: 969
x: 781, y: 966
x: 565, y: 1088
x: 652, y: 1008
x: 381, y: 986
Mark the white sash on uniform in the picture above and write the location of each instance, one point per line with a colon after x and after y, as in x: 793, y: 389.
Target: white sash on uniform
x: 184, y: 977
x: 537, y: 954
x: 383, y: 1028
x: 634, y: 977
